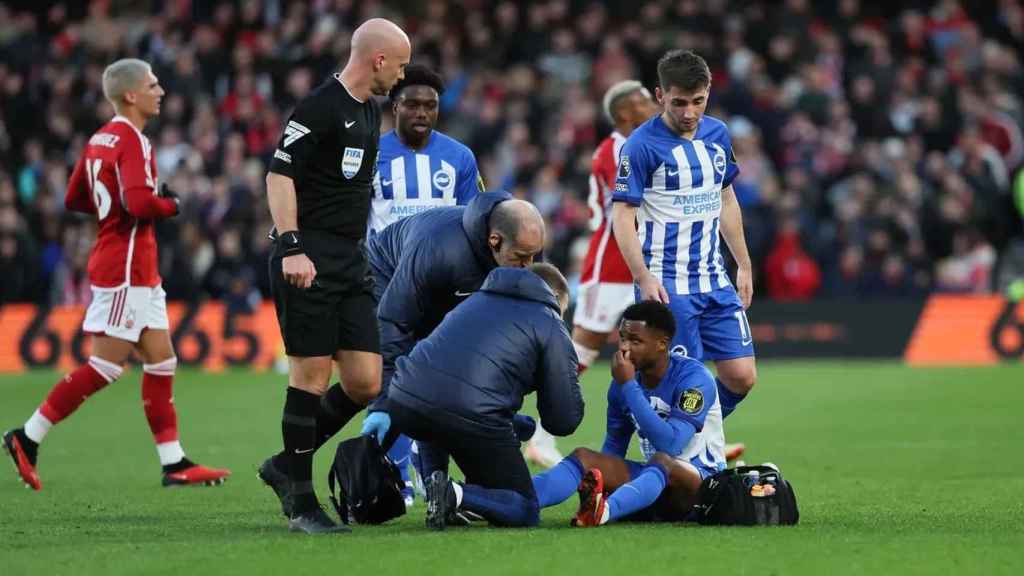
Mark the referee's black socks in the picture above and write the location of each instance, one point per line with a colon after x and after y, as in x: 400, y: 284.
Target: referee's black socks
x: 335, y: 410
x: 298, y: 427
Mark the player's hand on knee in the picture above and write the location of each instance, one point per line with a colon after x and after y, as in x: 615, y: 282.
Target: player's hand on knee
x: 298, y: 270
x: 377, y: 424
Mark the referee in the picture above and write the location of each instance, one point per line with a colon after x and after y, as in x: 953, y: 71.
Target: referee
x: 319, y: 190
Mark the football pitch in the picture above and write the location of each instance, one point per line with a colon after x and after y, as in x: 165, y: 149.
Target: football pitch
x: 897, y: 471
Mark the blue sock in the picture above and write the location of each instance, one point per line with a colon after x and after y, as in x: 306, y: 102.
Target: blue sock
x: 727, y: 399
x: 559, y: 483
x: 501, y: 507
x: 399, y: 454
x: 638, y: 494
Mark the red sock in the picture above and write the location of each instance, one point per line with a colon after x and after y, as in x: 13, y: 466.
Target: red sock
x: 71, y: 391
x: 158, y: 400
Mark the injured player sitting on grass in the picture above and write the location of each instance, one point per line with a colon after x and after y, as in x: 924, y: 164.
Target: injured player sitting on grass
x: 671, y: 402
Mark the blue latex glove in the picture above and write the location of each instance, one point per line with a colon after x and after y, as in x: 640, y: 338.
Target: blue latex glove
x: 376, y: 423
x: 524, y: 427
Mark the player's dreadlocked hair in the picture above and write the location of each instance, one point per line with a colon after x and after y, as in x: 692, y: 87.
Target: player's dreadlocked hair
x: 417, y: 75
x: 654, y: 314
x: 683, y: 69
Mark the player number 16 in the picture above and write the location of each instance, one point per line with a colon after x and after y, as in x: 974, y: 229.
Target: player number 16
x: 100, y: 194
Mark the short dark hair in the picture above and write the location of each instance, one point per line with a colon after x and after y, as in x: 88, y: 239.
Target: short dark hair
x: 655, y: 315
x: 552, y: 277
x: 417, y: 75
x: 684, y: 69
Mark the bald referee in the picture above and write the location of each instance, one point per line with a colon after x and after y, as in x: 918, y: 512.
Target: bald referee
x: 319, y: 191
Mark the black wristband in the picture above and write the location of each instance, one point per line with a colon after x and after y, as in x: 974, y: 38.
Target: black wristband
x: 291, y: 243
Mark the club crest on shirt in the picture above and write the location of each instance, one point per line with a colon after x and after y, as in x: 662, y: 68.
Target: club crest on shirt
x: 692, y: 401
x: 351, y: 162
x: 443, y: 181
x: 720, y: 162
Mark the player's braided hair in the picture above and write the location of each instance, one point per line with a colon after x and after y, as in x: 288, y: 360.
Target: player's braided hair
x: 655, y: 315
x: 684, y: 69
x: 417, y: 75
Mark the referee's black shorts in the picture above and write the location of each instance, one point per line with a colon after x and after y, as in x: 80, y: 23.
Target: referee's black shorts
x: 338, y: 311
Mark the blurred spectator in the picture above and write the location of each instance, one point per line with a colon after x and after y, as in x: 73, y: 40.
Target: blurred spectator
x: 70, y: 280
x: 969, y: 267
x: 19, y: 260
x: 886, y: 133
x: 791, y: 273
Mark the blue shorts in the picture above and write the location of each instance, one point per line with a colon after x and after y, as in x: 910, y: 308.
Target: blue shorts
x: 712, y: 325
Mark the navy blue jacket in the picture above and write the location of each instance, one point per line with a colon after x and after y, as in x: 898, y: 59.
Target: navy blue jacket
x: 502, y: 343
x: 423, y: 267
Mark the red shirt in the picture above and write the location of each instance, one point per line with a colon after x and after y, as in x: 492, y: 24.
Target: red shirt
x: 116, y: 180
x: 604, y: 262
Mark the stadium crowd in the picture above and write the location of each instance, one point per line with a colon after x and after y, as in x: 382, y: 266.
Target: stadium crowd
x: 880, y: 143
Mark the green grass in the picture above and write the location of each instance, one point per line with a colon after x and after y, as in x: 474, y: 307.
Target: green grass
x: 897, y: 470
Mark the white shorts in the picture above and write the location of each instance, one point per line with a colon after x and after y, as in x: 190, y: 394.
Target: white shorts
x: 124, y: 312
x: 600, y: 305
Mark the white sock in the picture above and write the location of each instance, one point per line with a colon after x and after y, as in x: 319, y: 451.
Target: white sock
x: 170, y: 453
x: 543, y: 439
x: 585, y: 355
x: 605, y: 514
x: 37, y: 426
x: 458, y: 493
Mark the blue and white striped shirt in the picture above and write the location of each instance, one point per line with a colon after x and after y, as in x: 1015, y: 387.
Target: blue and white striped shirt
x: 676, y: 183
x: 443, y: 173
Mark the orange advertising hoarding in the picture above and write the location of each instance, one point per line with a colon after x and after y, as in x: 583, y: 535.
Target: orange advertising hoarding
x: 947, y: 330
x: 967, y: 330
x: 204, y: 335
